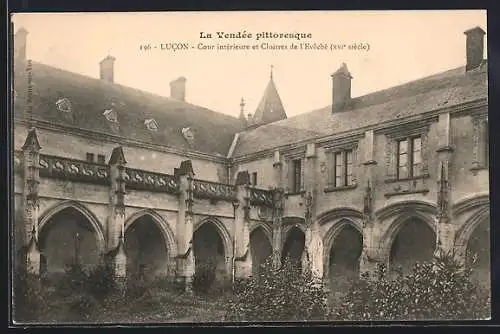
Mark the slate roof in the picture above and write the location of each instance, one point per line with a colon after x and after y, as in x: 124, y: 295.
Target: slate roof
x: 90, y: 97
x: 445, y: 89
x: 270, y: 107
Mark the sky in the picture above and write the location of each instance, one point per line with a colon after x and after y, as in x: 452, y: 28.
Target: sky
x: 403, y: 46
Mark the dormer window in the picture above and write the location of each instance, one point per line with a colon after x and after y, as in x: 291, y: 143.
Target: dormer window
x: 188, y: 133
x: 111, y: 115
x: 151, y: 124
x: 64, y: 105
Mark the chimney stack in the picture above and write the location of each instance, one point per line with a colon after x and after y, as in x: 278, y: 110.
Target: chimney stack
x: 107, y: 69
x: 474, y: 47
x: 341, y: 90
x: 20, y: 40
x: 178, y: 89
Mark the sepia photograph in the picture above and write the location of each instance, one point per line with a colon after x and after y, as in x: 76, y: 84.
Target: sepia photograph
x: 249, y: 167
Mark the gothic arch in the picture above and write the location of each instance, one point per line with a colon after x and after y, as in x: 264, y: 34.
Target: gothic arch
x: 331, y: 235
x: 288, y: 224
x: 470, y: 203
x: 266, y: 229
x: 464, y: 233
x: 338, y: 213
x: 403, y: 207
x: 392, y: 231
x: 168, y: 235
x: 89, y: 216
x: 223, y: 233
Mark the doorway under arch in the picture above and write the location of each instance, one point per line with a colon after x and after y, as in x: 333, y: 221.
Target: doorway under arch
x: 66, y: 238
x: 345, y: 252
x: 415, y: 241
x: 146, y: 249
x: 294, y: 246
x: 209, y: 253
x: 261, y: 249
x: 478, y: 249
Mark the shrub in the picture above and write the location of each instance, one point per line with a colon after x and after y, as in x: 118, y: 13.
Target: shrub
x: 73, y: 280
x: 100, y: 282
x: 30, y: 299
x: 82, y: 306
x: 282, y: 294
x: 438, y: 290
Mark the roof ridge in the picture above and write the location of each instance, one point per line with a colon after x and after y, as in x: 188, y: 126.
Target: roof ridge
x: 134, y: 89
x: 430, y: 78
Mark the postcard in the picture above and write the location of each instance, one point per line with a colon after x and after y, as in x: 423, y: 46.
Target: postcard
x: 240, y: 167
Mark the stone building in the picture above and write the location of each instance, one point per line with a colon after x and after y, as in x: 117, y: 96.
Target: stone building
x: 159, y: 186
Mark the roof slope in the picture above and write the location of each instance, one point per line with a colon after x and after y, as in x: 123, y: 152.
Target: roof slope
x: 270, y: 107
x: 445, y: 89
x: 89, y: 98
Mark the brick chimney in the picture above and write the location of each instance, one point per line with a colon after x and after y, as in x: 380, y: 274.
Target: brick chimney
x: 474, y: 47
x: 107, y: 69
x: 20, y: 41
x: 341, y: 88
x: 178, y: 89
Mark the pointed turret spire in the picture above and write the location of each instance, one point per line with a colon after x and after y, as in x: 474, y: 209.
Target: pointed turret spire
x: 32, y: 140
x: 270, y: 108
x: 242, y: 117
x: 117, y: 156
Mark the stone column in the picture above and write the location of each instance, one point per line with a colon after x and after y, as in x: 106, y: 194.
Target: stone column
x: 312, y: 259
x: 445, y: 229
x: 369, y: 255
x: 278, y: 209
x: 116, y: 219
x: 241, y: 235
x: 31, y: 154
x: 185, y: 261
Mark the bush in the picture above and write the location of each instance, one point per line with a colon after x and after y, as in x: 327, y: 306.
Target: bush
x: 100, y: 282
x: 282, y: 294
x: 97, y: 282
x: 438, y: 290
x: 30, y: 299
x: 73, y: 280
x: 82, y: 307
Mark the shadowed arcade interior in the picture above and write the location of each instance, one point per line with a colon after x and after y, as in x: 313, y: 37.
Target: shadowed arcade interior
x: 294, y: 246
x: 344, y: 256
x: 414, y: 242
x: 66, y: 238
x: 146, y: 249
x: 209, y: 253
x: 478, y: 248
x: 261, y: 249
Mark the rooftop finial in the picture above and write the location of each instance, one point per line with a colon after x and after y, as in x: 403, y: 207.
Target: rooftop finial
x: 271, y: 75
x: 242, y: 105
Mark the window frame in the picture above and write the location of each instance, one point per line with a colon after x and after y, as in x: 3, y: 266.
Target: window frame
x: 346, y: 179
x: 410, y: 158
x: 101, y: 159
x: 254, y: 179
x: 90, y: 157
x: 297, y: 166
